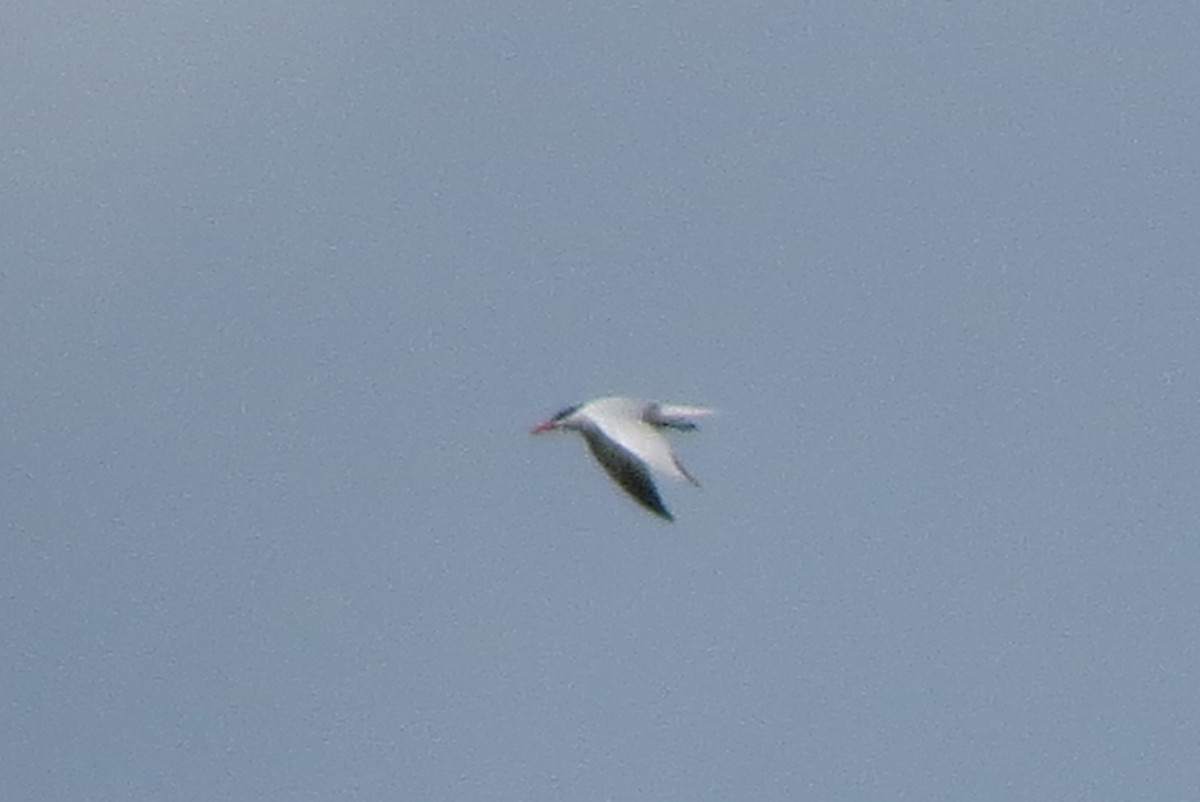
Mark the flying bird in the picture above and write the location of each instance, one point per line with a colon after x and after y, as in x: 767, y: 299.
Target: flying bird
x: 625, y: 436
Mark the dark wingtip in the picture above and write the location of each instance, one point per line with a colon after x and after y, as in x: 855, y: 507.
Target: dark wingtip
x: 654, y: 504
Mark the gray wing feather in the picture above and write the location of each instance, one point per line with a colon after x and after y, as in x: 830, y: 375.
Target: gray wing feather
x: 627, y: 471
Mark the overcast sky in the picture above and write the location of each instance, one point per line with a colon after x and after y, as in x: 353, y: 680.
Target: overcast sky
x: 283, y: 286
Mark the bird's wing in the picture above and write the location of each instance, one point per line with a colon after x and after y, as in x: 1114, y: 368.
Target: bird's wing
x: 644, y: 442
x: 683, y: 411
x: 626, y: 470
x: 674, y: 416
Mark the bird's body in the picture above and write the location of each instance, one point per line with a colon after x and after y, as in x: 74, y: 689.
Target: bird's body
x: 625, y: 436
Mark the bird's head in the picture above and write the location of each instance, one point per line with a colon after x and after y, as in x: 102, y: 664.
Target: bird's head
x: 560, y: 420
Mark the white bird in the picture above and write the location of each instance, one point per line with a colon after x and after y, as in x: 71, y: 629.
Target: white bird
x: 625, y: 436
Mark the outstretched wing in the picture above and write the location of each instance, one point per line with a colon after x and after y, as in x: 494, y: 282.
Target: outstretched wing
x: 627, y: 471
x: 674, y: 416
x: 643, y: 441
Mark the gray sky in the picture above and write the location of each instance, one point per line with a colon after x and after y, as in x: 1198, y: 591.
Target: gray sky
x: 282, y: 289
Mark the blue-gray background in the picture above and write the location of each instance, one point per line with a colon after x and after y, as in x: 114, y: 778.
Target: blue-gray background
x: 283, y: 286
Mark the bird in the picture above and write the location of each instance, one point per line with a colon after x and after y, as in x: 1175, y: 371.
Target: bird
x: 625, y: 435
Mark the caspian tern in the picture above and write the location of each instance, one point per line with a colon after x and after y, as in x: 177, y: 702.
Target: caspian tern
x: 625, y: 436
